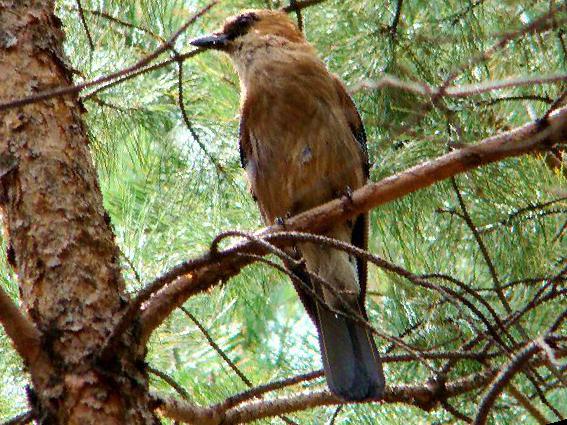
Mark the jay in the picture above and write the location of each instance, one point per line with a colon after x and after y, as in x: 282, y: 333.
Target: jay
x: 302, y: 142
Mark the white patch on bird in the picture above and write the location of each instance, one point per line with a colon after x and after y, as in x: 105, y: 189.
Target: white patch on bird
x: 306, y: 155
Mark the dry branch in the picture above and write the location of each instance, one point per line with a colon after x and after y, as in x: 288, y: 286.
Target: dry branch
x: 502, y: 379
x: 21, y: 331
x: 425, y: 396
x: 423, y: 89
x: 209, y: 269
x: 23, y: 419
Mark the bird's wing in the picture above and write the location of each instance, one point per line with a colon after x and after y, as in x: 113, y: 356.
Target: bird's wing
x: 247, y: 159
x: 354, y: 122
x: 360, y: 229
x: 243, y: 137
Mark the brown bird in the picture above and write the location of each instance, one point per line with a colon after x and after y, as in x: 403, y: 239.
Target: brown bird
x: 302, y: 143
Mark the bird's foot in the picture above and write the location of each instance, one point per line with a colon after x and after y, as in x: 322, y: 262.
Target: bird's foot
x: 345, y: 193
x: 346, y: 196
x: 280, y: 221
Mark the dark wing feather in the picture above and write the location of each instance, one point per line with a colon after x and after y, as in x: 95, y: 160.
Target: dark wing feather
x: 355, y: 123
x: 247, y: 159
x: 243, y: 138
x: 360, y: 228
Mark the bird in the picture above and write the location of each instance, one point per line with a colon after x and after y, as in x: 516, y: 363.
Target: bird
x: 302, y: 143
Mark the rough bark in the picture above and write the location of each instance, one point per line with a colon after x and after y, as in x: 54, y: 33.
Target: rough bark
x: 60, y: 241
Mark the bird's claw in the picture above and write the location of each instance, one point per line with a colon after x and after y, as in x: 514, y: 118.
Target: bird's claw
x: 346, y: 195
x: 280, y: 221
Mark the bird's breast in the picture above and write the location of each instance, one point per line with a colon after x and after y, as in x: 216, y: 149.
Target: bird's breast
x: 302, y: 152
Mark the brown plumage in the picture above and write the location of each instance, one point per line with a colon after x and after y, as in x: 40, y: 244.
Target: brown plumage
x: 302, y: 144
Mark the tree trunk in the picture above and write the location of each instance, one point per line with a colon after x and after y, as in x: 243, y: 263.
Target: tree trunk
x: 60, y: 241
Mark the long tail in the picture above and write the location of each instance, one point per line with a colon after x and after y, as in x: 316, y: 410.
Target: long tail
x: 352, y: 365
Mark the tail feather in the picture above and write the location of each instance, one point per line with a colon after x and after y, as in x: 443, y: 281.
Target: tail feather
x: 352, y: 365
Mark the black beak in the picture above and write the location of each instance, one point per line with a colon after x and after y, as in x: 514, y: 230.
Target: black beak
x: 214, y: 41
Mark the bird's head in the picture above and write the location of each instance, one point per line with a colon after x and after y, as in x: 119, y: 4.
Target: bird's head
x: 249, y: 28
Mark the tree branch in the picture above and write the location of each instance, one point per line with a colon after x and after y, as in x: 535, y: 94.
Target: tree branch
x: 539, y: 24
x: 425, y: 396
x: 23, y: 419
x: 23, y: 333
x: 503, y: 378
x: 293, y: 5
x: 423, y: 89
x: 526, y: 404
x: 122, y: 22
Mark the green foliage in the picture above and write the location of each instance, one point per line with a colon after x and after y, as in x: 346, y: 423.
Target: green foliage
x: 168, y: 198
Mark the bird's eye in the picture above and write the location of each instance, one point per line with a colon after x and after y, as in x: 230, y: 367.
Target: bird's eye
x: 240, y: 25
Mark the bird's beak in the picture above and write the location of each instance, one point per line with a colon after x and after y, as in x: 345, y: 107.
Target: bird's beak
x: 214, y: 41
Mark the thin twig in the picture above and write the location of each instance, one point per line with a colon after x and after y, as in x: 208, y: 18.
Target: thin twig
x: 526, y: 404
x: 457, y: 16
x: 540, y: 24
x: 380, y: 262
x: 496, y: 282
x: 85, y: 26
x: 396, y: 20
x: 482, y: 247
x: 265, y: 388
x: 178, y: 388
x: 133, y: 268
x: 62, y: 91
x: 348, y: 312
x: 216, y: 347
x: 143, y: 70
x: 455, y: 412
x: 405, y: 333
x: 502, y: 380
x: 124, y: 23
x: 186, y: 120
x: 335, y: 414
x: 560, y: 232
x: 556, y: 104
x: 465, y: 90
x: 494, y: 101
x: 223, y: 355
x: 294, y: 7
x: 23, y: 419
x: 535, y: 26
x: 520, y: 211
